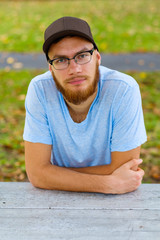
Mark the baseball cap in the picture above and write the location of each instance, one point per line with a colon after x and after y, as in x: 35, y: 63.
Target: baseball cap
x: 66, y: 26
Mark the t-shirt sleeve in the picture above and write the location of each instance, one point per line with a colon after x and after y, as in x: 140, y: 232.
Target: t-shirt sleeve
x: 128, y: 130
x: 36, y: 122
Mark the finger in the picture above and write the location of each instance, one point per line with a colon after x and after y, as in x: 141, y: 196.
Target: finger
x: 134, y: 168
x: 133, y: 163
x: 141, y: 171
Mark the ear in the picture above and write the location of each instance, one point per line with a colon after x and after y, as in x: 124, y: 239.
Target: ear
x: 98, y: 57
x: 50, y: 67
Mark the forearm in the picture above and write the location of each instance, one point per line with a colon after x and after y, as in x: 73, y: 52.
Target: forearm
x: 122, y: 180
x: 59, y: 178
x: 97, y: 170
x: 43, y: 174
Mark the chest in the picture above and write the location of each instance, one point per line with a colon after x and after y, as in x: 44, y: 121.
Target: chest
x: 81, y: 145
x: 84, y: 144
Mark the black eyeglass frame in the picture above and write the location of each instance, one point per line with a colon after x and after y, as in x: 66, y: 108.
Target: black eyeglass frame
x: 69, y: 59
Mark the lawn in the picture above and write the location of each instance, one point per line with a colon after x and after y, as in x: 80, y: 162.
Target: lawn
x: 117, y: 26
x: 12, y: 114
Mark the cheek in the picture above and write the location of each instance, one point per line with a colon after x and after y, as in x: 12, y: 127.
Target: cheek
x: 89, y: 69
x: 61, y: 76
x: 92, y: 69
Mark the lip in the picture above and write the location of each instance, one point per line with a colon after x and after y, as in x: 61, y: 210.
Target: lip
x: 77, y: 81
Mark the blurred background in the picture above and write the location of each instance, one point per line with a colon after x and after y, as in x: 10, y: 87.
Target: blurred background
x: 119, y: 27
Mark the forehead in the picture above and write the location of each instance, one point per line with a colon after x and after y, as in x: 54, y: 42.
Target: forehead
x: 69, y: 46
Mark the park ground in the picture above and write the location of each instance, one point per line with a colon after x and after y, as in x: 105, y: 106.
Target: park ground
x: 117, y: 26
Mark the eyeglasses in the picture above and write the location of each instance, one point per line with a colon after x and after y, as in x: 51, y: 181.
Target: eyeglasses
x: 80, y: 58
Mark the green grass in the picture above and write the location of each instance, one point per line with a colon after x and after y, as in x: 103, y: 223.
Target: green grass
x: 12, y: 114
x: 150, y: 91
x: 117, y: 26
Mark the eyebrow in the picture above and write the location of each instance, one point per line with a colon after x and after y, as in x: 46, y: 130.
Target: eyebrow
x: 64, y: 56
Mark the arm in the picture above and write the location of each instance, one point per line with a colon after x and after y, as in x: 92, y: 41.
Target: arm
x: 118, y: 159
x: 43, y: 174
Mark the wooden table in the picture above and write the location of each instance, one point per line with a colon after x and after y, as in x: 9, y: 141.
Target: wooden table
x: 29, y: 213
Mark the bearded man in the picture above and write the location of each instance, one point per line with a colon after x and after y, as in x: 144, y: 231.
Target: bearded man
x: 84, y: 122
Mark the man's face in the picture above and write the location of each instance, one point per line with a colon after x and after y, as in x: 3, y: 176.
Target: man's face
x: 77, y: 82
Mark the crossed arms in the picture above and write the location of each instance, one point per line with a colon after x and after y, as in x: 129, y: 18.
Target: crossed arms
x: 121, y: 176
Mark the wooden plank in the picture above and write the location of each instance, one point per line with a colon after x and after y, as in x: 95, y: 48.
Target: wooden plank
x: 30, y: 213
x: 79, y: 224
x: 24, y: 195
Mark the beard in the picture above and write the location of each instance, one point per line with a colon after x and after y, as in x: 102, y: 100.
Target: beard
x: 78, y: 96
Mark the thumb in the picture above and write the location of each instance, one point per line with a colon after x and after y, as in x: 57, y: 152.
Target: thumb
x: 133, y: 163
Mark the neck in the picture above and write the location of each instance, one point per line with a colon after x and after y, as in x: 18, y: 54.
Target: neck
x: 79, y: 112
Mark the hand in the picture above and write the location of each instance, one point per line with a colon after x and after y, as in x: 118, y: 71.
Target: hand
x: 127, y: 178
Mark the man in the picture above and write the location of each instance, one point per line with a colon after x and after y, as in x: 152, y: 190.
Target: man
x: 84, y: 122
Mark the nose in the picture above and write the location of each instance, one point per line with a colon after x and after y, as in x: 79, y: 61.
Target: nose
x: 74, y: 67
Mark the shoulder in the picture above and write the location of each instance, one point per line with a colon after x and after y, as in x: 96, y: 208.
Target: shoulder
x: 118, y: 88
x: 42, y: 82
x: 116, y: 78
x: 47, y: 76
x: 42, y: 86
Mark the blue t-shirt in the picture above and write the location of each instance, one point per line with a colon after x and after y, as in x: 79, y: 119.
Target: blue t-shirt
x: 114, y: 121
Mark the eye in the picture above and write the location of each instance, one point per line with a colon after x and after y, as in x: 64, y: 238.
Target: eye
x: 82, y: 56
x: 60, y: 60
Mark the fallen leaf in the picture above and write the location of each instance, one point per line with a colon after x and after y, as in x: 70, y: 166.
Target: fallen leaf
x: 143, y: 75
x: 18, y: 65
x: 10, y: 60
x: 156, y: 111
x: 155, y: 172
x: 141, y: 62
x: 22, y: 97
